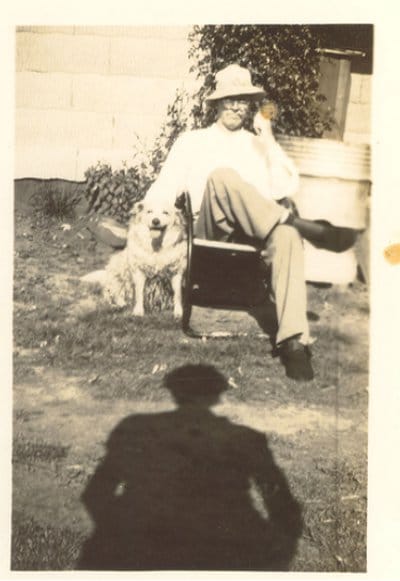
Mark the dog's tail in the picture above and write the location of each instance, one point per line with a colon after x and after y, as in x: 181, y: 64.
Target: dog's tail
x: 95, y: 277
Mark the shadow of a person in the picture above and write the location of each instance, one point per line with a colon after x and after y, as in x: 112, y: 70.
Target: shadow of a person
x: 189, y: 490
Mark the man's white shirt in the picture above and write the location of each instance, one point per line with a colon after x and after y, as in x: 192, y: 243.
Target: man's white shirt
x: 195, y: 154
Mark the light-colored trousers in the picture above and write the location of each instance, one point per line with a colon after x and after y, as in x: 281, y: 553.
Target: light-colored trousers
x: 233, y: 210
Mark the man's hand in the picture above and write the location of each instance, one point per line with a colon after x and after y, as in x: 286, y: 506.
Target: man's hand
x: 290, y: 205
x: 269, y: 110
x: 262, y: 119
x: 262, y: 126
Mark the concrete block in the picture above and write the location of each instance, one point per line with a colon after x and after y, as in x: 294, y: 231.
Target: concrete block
x: 92, y: 93
x: 33, y: 161
x: 124, y: 94
x: 149, y: 57
x: 64, y: 53
x: 88, y: 157
x: 355, y: 88
x: 135, y: 131
x: 167, y: 32
x: 110, y: 30
x: 366, y: 89
x: 43, y: 90
x: 66, y: 162
x: 47, y: 29
x: 52, y: 128
x: 358, y: 118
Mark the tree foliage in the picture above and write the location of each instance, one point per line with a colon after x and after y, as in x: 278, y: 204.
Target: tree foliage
x: 282, y: 59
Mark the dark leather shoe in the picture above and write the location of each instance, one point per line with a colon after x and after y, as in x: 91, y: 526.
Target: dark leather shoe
x: 296, y: 359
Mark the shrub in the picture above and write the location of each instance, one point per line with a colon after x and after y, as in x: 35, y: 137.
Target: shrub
x: 54, y: 202
x: 112, y: 192
x: 179, y: 118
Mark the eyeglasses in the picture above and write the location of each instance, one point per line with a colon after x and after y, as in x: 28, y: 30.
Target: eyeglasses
x: 235, y: 102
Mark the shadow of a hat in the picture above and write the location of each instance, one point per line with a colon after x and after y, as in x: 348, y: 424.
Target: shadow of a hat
x: 200, y: 384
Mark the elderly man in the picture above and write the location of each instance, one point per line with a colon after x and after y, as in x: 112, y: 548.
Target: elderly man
x: 240, y: 185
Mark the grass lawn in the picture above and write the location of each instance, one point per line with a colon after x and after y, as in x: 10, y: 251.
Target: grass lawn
x: 82, y: 370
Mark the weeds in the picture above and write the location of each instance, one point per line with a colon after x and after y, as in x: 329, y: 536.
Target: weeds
x: 56, y: 203
x: 28, y: 452
x: 39, y: 547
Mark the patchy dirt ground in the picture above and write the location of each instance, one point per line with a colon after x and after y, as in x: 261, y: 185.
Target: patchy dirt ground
x: 81, y: 369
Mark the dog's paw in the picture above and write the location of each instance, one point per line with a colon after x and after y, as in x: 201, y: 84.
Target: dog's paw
x: 113, y: 300
x: 95, y: 277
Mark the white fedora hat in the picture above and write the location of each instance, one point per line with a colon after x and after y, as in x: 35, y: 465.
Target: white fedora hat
x: 234, y: 80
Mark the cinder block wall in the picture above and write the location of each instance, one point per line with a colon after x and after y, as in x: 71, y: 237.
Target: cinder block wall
x: 85, y: 94
x: 358, y: 119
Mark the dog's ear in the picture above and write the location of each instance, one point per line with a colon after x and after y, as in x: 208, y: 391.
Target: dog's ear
x: 180, y: 218
x: 136, y: 208
x: 180, y: 201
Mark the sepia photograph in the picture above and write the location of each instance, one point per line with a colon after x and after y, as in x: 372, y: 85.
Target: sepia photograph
x: 191, y: 297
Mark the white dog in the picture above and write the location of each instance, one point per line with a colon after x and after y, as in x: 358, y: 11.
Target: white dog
x: 156, y: 245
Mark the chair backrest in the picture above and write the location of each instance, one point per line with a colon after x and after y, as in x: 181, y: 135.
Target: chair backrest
x: 222, y: 274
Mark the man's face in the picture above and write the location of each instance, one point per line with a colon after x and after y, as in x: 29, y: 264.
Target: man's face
x: 232, y: 112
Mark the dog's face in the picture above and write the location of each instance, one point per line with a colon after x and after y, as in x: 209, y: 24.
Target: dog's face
x: 155, y: 217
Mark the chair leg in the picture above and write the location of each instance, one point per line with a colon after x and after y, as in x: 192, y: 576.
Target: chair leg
x: 187, y: 311
x: 186, y: 304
